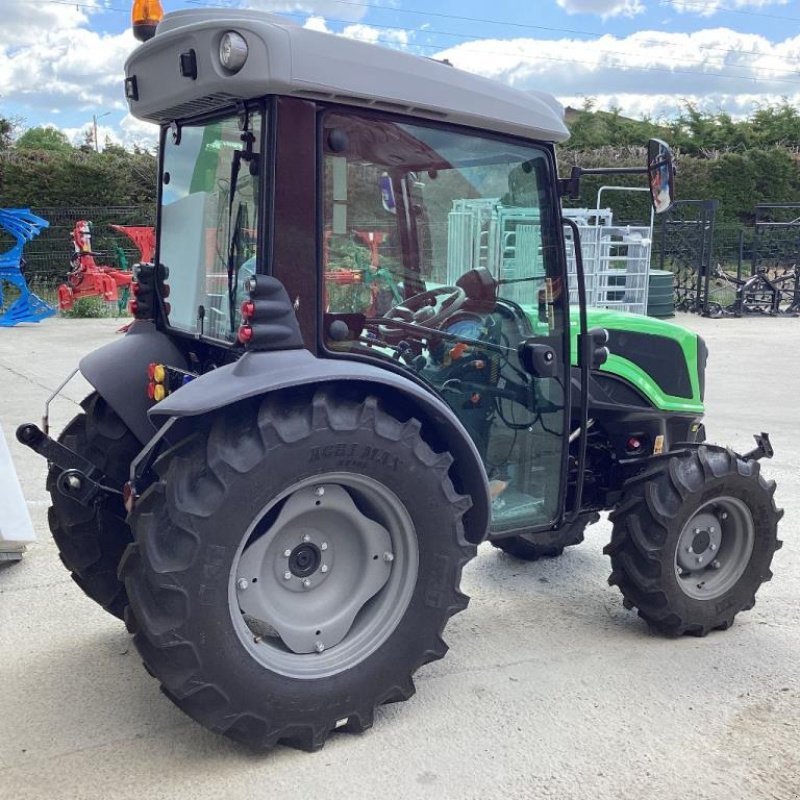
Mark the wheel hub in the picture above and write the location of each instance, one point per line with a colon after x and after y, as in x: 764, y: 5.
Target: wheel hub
x: 699, y: 542
x: 319, y: 563
x: 714, y: 548
x: 305, y: 560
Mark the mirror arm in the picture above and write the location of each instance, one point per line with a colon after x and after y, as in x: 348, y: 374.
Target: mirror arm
x: 571, y: 187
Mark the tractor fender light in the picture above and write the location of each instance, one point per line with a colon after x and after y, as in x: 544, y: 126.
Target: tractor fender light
x: 133, y: 307
x: 159, y: 392
x: 151, y: 390
x: 129, y: 496
x: 151, y: 369
x: 232, y: 51
x: 145, y: 16
x: 159, y: 373
x: 634, y: 444
x: 135, y: 288
x: 245, y: 334
x: 248, y: 309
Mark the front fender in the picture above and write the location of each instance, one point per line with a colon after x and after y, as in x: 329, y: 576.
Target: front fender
x: 118, y: 371
x: 258, y: 373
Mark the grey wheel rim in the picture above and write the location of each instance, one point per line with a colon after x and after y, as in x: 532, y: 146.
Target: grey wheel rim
x: 324, y: 575
x: 714, y: 548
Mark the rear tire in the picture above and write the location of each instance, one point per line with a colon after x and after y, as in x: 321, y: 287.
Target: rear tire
x: 550, y: 544
x: 693, y: 540
x: 246, y: 505
x: 92, y: 539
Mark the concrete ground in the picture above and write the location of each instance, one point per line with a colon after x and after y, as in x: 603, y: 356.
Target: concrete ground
x: 550, y: 690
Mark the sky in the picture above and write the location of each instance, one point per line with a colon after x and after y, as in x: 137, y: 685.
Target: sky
x: 61, y: 62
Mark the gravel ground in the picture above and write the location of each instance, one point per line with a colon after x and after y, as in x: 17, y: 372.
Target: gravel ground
x: 550, y: 689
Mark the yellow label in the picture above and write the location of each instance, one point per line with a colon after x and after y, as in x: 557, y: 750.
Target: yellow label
x: 658, y: 447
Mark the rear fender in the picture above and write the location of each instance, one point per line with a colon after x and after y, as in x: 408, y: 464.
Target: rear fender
x: 118, y: 371
x: 259, y: 373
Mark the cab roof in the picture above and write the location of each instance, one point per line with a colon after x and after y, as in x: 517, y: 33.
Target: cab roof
x: 287, y: 59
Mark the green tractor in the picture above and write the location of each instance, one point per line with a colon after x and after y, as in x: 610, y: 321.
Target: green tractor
x: 287, y: 462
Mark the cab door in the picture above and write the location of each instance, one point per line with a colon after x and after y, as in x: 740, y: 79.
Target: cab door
x: 449, y: 242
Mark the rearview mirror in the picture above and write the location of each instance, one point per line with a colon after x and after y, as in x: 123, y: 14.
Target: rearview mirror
x: 661, y: 174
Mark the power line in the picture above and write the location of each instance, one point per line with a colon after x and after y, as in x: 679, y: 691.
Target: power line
x: 467, y: 38
x: 508, y: 24
x: 727, y: 10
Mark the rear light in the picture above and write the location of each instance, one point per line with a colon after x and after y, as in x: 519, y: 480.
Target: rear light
x: 248, y: 309
x: 133, y: 307
x: 245, y: 334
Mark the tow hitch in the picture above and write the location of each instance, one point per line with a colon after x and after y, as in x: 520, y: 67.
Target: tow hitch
x: 80, y: 479
x: 763, y: 448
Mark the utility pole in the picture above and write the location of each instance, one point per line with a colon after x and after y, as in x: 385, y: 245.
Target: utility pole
x: 95, y: 117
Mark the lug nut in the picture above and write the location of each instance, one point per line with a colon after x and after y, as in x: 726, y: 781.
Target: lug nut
x: 74, y: 482
x: 323, y: 568
x: 242, y: 584
x: 388, y: 557
x: 699, y: 559
x: 715, y: 564
x: 319, y: 647
x: 319, y: 491
x: 306, y: 583
x: 696, y: 531
x: 323, y: 546
x: 711, y: 529
x: 712, y: 546
x: 287, y: 553
x: 723, y: 515
x: 287, y: 576
x: 689, y: 549
x: 306, y: 538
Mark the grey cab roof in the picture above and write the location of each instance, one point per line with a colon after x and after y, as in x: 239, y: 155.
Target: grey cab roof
x: 287, y: 59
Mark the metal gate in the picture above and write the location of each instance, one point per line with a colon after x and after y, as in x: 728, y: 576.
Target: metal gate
x: 685, y: 248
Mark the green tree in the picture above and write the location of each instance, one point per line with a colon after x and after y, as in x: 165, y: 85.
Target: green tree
x: 44, y: 138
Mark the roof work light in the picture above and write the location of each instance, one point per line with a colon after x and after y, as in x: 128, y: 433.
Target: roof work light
x: 145, y: 15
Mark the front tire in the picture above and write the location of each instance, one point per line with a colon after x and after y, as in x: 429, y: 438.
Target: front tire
x: 550, y: 544
x: 693, y: 540
x: 229, y: 603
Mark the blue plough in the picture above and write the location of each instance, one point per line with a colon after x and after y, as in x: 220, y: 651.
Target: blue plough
x: 23, y: 226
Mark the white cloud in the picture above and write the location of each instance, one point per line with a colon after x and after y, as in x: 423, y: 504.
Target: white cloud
x: 315, y: 8
x: 706, y: 8
x: 49, y: 58
x: 605, y: 8
x: 648, y: 71
x: 363, y: 33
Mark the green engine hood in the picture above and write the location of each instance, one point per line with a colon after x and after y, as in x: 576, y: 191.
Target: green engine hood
x: 664, y: 361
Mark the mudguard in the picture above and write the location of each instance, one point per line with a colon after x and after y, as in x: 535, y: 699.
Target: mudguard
x: 258, y: 373
x: 119, y: 373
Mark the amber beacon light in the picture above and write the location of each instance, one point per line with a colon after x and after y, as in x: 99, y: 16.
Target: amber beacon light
x: 145, y: 15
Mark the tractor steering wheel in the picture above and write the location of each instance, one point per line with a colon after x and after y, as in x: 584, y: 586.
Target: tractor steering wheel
x: 426, y: 308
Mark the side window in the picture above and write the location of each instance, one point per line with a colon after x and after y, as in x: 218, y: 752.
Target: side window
x: 209, y: 222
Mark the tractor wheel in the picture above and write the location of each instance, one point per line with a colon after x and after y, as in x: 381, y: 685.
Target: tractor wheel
x: 532, y: 547
x: 294, y: 566
x: 693, y: 540
x: 91, y: 540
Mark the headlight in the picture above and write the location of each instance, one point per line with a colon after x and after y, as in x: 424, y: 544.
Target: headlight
x: 232, y: 51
